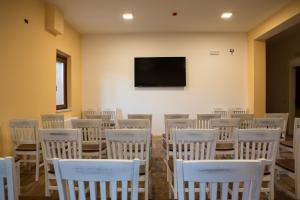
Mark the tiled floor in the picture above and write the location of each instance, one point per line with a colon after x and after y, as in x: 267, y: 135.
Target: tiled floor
x: 32, y: 190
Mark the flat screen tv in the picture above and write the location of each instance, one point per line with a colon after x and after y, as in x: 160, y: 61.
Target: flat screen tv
x: 159, y: 72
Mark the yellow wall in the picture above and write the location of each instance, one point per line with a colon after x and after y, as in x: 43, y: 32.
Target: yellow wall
x: 257, y: 56
x: 27, y: 65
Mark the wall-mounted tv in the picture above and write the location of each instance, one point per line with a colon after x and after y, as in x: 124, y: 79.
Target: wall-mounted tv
x: 159, y: 72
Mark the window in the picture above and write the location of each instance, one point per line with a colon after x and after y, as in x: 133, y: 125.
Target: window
x: 61, y: 82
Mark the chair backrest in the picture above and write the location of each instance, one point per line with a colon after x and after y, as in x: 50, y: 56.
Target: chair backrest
x: 203, y: 120
x: 53, y: 121
x: 88, y: 112
x: 7, y: 176
x: 246, y: 120
x: 98, y: 116
x: 89, y: 172
x: 194, y: 144
x: 222, y: 111
x: 176, y: 116
x: 60, y: 143
x: 272, y: 123
x: 172, y: 124
x: 141, y: 116
x: 91, y: 130
x: 128, y: 144
x: 284, y: 116
x: 254, y: 144
x: 226, y: 128
x: 134, y: 124
x: 296, y: 148
x: 238, y: 110
x: 220, y: 175
x: 24, y: 131
x: 112, y: 112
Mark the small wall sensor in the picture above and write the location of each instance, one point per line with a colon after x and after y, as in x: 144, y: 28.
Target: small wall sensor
x: 231, y: 51
x: 26, y: 21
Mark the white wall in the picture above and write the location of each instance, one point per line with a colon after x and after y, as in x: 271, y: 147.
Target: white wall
x: 212, y: 81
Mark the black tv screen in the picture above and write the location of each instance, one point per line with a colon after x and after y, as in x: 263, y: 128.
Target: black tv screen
x: 159, y: 72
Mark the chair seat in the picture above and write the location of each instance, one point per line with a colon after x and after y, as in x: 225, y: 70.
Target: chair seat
x: 26, y: 147
x: 287, y: 143
x: 224, y: 147
x: 287, y: 164
x: 92, y: 147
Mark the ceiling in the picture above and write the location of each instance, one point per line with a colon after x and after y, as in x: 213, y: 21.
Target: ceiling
x: 105, y: 16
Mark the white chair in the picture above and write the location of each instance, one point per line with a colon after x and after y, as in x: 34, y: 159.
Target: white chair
x: 172, y: 124
x: 246, y: 120
x: 107, y: 122
x: 87, y: 174
x: 285, y: 117
x: 7, y: 175
x: 133, y: 124
x: 291, y: 166
x: 91, y: 130
x: 58, y: 143
x: 141, y: 116
x: 238, y: 110
x: 173, y: 116
x: 203, y: 120
x: 270, y: 123
x: 224, y: 112
x: 132, y: 144
x: 190, y: 144
x: 225, y: 141
x: 255, y: 144
x: 115, y: 114
x: 53, y: 121
x: 88, y: 112
x: 219, y: 175
x: 26, y: 143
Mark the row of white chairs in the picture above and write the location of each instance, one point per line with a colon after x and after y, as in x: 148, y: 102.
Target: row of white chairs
x: 81, y: 175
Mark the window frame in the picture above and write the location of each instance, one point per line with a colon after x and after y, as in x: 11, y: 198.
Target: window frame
x: 64, y: 60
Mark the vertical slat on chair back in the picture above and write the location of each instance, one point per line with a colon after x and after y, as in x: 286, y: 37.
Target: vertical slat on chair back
x: 246, y: 120
x: 222, y: 176
x: 226, y: 128
x: 172, y: 124
x: 272, y: 123
x: 297, y: 155
x: 253, y: 144
x: 222, y: 111
x: 128, y: 143
x: 7, y: 179
x: 134, y: 123
x: 100, y: 177
x: 238, y: 111
x: 284, y: 116
x: 24, y: 131
x: 203, y: 120
x: 194, y: 144
x: 60, y: 143
x: 91, y: 129
x: 53, y: 121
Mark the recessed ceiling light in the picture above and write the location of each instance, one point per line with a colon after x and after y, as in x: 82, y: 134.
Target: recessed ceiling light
x: 226, y: 15
x: 127, y: 16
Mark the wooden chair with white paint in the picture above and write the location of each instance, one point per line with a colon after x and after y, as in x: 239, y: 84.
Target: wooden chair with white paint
x: 50, y: 121
x: 91, y: 130
x: 27, y: 148
x: 8, y: 185
x: 141, y: 116
x: 225, y: 141
x: 84, y: 113
x: 203, y: 120
x: 91, y: 174
x: 246, y: 120
x: 190, y: 144
x: 224, y: 112
x: 172, y: 116
x: 291, y: 166
x: 58, y: 143
x: 238, y: 110
x: 219, y: 175
x: 255, y: 144
x: 134, y: 124
x: 132, y: 144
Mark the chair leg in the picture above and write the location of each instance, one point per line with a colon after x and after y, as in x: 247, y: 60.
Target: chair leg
x: 37, y: 168
x: 47, y: 184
